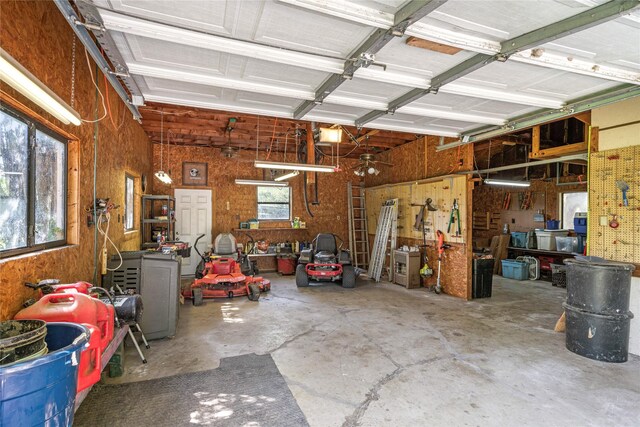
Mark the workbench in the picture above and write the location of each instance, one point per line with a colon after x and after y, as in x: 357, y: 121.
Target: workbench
x: 118, y: 336
x: 543, y: 252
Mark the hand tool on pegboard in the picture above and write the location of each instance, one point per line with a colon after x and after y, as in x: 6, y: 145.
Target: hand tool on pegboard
x: 454, y: 211
x: 624, y: 187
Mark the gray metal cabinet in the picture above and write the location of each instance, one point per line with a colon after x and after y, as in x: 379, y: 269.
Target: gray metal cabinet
x: 160, y: 290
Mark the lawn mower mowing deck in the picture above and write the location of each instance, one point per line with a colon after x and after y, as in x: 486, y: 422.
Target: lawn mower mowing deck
x: 222, y: 277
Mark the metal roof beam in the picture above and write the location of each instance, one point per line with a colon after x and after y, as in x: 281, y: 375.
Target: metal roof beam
x: 363, y: 56
x: 85, y: 38
x: 619, y: 94
x: 587, y: 19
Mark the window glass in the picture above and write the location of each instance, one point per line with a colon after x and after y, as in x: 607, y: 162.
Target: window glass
x: 274, y: 203
x: 572, y: 203
x: 50, y: 200
x: 14, y: 182
x: 128, y: 203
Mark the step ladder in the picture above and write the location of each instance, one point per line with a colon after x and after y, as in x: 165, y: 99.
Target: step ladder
x: 358, y: 230
x: 385, y: 241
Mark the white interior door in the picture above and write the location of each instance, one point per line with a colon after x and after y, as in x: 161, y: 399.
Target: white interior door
x: 193, y: 218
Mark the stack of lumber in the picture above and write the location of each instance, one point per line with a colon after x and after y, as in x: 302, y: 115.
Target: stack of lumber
x: 498, y: 248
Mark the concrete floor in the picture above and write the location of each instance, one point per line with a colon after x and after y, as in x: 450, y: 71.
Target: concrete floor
x: 381, y: 355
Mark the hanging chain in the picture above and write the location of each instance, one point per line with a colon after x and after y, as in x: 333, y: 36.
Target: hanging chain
x: 73, y: 73
x: 161, y: 134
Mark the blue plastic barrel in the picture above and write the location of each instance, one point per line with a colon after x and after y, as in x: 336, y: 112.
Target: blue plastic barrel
x: 42, y: 391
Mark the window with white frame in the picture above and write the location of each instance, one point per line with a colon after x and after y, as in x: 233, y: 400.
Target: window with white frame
x: 571, y: 203
x: 33, y: 181
x: 129, y: 203
x: 274, y: 203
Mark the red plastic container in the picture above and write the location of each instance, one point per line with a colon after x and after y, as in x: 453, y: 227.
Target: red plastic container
x: 82, y: 287
x: 73, y: 307
x: 545, y: 262
x: 286, y: 265
x: 90, y: 360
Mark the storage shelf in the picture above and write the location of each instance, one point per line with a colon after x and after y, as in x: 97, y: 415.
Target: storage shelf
x: 269, y: 229
x: 157, y: 221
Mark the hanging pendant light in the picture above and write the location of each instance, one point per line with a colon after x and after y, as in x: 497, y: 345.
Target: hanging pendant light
x: 161, y: 174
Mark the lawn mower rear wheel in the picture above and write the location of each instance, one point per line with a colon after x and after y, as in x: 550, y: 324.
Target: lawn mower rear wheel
x: 196, y: 296
x: 348, y: 277
x: 302, y: 279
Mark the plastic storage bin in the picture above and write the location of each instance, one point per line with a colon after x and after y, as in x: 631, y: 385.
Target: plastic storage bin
x: 580, y: 223
x: 517, y: 270
x: 547, y: 238
x: 567, y: 244
x: 42, y: 391
x: 518, y: 239
x: 553, y: 224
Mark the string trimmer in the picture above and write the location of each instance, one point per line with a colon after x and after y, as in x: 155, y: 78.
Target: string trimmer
x: 441, y: 247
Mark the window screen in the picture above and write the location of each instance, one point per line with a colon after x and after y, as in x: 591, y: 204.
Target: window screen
x: 274, y: 203
x: 129, y: 203
x: 33, y: 175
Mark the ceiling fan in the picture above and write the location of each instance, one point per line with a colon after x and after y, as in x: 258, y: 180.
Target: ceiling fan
x: 229, y: 151
x: 368, y: 165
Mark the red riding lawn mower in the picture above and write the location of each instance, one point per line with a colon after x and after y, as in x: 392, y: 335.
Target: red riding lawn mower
x: 325, y: 262
x: 221, y: 274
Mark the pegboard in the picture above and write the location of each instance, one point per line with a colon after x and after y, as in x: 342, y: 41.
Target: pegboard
x: 411, y: 195
x: 605, y: 201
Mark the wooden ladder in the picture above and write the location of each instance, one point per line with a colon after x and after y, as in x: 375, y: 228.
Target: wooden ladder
x: 358, y: 230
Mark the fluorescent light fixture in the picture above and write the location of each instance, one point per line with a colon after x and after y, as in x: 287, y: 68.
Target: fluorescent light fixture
x: 18, y: 77
x: 163, y: 177
x: 286, y: 176
x: 507, y: 183
x: 333, y: 135
x: 261, y: 182
x: 293, y: 166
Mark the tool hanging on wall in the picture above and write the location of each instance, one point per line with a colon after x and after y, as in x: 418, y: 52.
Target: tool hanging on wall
x: 526, y: 201
x: 506, y: 201
x: 624, y: 187
x: 614, y: 222
x: 454, y: 211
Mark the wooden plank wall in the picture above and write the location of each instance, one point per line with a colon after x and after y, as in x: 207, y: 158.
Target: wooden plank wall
x: 37, y: 36
x: 455, y: 260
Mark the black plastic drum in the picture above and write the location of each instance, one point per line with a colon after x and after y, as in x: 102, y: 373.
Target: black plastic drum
x: 599, y: 287
x: 603, y: 337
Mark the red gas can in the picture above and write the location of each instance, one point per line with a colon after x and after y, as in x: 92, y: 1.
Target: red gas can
x: 82, y: 287
x: 73, y: 307
x: 90, y: 360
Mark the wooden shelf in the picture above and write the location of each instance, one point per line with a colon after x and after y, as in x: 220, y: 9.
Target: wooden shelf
x: 269, y: 229
x: 157, y: 221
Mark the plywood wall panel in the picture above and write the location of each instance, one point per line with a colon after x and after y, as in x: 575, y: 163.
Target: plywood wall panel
x: 37, y: 36
x: 546, y: 197
x: 235, y: 203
